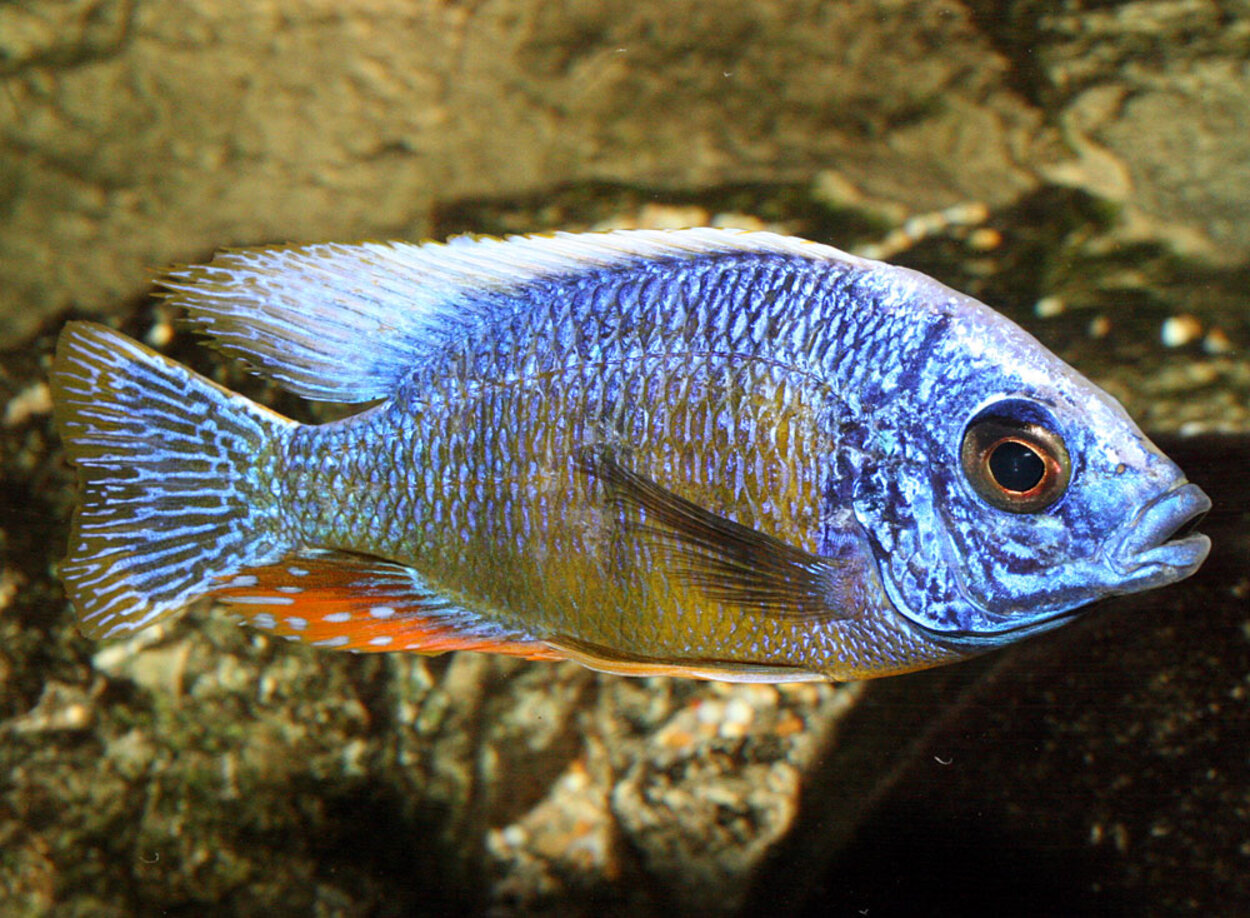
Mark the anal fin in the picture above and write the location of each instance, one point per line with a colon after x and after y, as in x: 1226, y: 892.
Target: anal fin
x: 360, y: 603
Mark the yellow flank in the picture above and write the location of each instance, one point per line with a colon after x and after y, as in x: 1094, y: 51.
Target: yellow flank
x: 578, y: 563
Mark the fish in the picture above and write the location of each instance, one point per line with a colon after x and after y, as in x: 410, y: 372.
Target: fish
x: 713, y: 453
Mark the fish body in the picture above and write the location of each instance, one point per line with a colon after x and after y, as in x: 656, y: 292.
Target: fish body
x: 706, y: 452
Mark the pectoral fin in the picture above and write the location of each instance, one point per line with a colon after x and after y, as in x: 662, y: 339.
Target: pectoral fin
x: 726, y: 561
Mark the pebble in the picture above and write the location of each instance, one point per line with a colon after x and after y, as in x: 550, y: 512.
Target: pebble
x: 967, y: 213
x: 61, y: 708
x: 160, y: 334
x: 737, y: 718
x: 514, y: 836
x: 922, y: 226
x: 1217, y: 342
x: 739, y: 221
x: 788, y: 724
x: 1049, y: 306
x: 1177, y: 331
x: 658, y: 216
x: 34, y: 400
x: 985, y: 239
x: 835, y: 189
x: 10, y: 582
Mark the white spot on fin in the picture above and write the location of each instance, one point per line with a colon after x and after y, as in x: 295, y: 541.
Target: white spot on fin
x: 261, y: 600
x: 333, y: 642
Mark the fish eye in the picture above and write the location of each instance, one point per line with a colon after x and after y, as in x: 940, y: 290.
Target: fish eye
x: 1015, y: 465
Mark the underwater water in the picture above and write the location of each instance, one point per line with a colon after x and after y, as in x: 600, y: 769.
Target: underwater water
x: 1079, y: 170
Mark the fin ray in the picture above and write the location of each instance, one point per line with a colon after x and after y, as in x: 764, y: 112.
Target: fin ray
x: 606, y: 660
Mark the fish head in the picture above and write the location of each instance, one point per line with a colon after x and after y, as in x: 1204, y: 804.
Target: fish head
x: 1030, y: 494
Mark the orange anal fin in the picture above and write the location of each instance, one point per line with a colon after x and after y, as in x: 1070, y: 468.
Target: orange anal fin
x: 354, y: 602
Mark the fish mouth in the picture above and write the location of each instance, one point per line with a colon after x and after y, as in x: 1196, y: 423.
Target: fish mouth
x: 1159, y: 545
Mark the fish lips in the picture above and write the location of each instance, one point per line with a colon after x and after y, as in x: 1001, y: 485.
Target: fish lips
x: 1150, y: 552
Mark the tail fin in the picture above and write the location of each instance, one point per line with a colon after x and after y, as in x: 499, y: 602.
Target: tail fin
x: 176, y: 479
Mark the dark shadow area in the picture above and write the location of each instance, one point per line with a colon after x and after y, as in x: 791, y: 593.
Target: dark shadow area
x: 918, y: 863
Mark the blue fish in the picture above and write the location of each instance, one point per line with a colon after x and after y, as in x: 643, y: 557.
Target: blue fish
x: 712, y: 453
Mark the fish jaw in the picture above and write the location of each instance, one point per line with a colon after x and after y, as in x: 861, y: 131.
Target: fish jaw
x: 1146, y: 555
x: 1142, y: 555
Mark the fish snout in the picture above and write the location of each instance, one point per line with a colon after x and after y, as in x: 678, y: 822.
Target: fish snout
x: 1158, y: 545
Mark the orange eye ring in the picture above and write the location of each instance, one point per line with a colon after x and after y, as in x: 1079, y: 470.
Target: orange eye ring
x: 1014, y: 465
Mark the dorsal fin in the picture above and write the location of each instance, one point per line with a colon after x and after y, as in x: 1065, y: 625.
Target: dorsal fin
x: 345, y: 323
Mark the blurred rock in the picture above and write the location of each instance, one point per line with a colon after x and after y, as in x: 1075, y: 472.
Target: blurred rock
x: 135, y: 134
x: 1153, y: 98
x: 565, y: 789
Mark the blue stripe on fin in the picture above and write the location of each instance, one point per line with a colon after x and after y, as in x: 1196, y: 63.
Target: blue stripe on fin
x: 346, y: 323
x: 172, y: 478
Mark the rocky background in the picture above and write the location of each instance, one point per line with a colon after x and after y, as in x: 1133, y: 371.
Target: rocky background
x: 133, y: 132
x: 1082, y: 165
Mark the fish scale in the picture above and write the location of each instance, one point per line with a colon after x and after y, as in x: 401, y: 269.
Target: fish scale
x: 709, y: 453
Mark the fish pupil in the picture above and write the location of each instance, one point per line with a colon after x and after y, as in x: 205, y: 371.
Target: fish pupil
x: 1016, y: 466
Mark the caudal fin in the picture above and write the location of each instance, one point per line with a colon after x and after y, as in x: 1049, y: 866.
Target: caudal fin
x: 175, y: 475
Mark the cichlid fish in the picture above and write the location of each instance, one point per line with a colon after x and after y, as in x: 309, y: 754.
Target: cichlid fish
x: 722, y: 454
